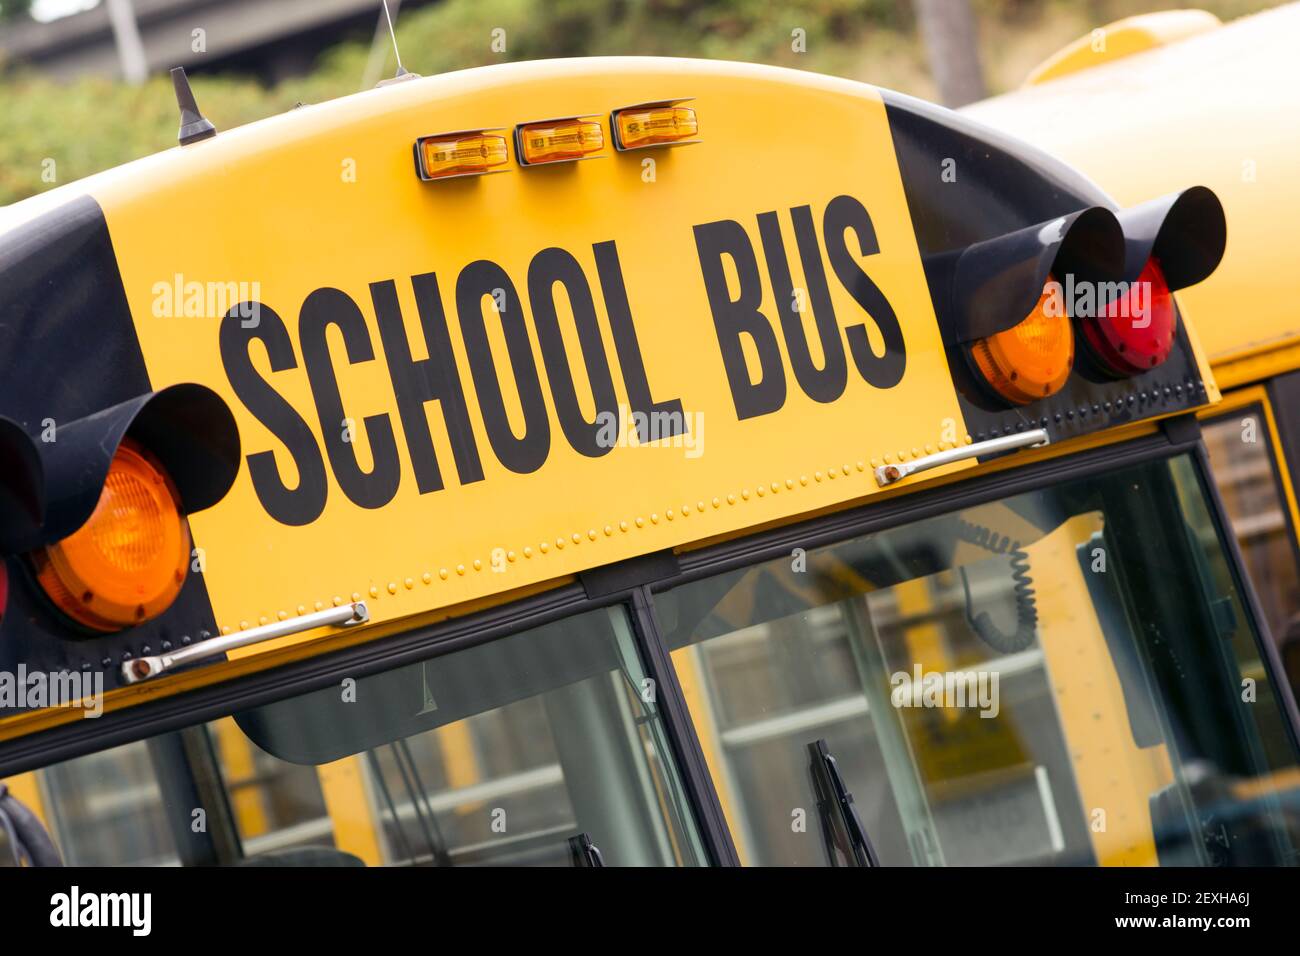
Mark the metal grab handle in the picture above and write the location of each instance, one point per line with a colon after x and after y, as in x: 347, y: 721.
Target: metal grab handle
x: 889, y: 474
x: 142, y: 668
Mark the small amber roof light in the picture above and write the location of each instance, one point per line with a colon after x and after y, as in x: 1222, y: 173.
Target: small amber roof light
x: 459, y: 154
x: 655, y: 124
x: 558, y: 141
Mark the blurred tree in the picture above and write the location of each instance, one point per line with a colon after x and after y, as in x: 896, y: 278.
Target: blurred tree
x: 952, y: 46
x: 53, y: 132
x: 13, y: 8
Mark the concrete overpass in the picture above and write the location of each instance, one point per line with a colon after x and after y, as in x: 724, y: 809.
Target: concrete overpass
x: 269, y: 38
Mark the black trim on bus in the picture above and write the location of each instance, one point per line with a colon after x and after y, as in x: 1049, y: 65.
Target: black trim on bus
x: 252, y: 690
x: 1268, y: 648
x: 623, y: 576
x: 1005, y: 186
x: 1288, y: 461
x: 69, y: 351
x: 1257, y: 410
x: 1182, y: 429
x: 1284, y: 395
x: 687, y: 751
x: 189, y: 775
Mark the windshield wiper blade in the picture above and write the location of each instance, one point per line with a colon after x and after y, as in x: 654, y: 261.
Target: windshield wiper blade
x: 841, y: 827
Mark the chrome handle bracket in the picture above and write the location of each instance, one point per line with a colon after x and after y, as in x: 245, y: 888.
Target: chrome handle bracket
x: 892, y: 474
x: 143, y: 668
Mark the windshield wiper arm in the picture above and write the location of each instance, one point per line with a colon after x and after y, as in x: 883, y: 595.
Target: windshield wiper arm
x: 835, y: 806
x: 584, y: 852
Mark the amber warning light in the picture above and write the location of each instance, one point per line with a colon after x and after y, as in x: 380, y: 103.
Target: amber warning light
x: 127, y: 563
x: 1030, y: 360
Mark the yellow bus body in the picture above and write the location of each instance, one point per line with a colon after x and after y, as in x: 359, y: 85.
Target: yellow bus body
x: 351, y: 215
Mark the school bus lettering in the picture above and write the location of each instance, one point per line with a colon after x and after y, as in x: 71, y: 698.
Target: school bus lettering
x: 644, y: 408
x: 733, y: 318
x: 332, y: 307
x: 549, y: 268
x: 483, y: 279
x: 416, y: 383
x: 303, y: 503
x: 845, y: 214
x: 827, y: 383
x: 435, y: 379
x: 740, y: 316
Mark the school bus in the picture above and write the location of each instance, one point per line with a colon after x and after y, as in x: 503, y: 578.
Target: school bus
x: 622, y: 461
x: 1211, y: 101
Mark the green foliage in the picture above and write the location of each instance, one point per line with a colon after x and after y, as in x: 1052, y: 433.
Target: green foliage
x: 12, y: 9
x: 95, y: 123
x: 92, y: 124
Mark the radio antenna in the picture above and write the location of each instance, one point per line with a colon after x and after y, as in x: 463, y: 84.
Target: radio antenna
x: 393, y: 33
x: 375, y: 62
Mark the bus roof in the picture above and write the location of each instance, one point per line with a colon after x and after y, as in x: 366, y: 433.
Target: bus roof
x: 1217, y: 108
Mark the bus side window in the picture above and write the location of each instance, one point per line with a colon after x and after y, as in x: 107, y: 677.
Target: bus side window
x: 1248, y: 470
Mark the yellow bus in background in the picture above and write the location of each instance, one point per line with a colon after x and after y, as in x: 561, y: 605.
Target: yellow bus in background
x: 627, y: 462
x: 1148, y: 102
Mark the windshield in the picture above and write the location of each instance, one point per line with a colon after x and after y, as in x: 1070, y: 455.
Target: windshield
x: 1066, y: 676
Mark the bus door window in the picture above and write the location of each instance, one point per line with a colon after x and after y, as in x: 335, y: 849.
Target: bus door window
x: 1246, y: 465
x: 1054, y: 678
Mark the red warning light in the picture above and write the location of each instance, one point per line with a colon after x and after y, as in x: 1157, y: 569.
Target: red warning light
x: 1136, y: 331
